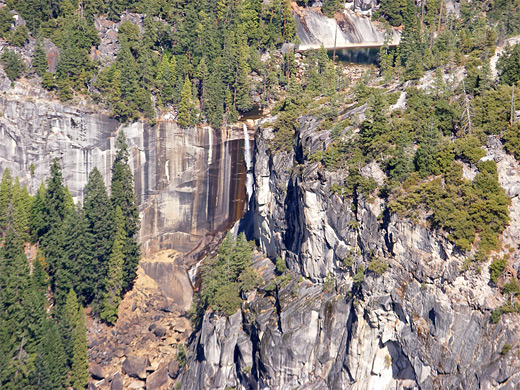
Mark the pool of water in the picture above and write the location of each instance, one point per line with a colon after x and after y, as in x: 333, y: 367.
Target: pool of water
x: 358, y: 55
x: 256, y: 112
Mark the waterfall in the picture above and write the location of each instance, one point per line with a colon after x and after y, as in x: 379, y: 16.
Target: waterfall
x: 249, y: 162
x: 193, y: 271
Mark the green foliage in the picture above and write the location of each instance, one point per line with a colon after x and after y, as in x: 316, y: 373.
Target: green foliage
x: 227, y: 275
x: 185, y: 105
x: 377, y: 265
x: 114, y: 279
x: 123, y: 195
x: 509, y: 65
x: 359, y: 276
x: 98, y: 237
x: 20, y: 36
x: 496, y: 268
x: 392, y: 10
x: 280, y: 265
x: 79, y: 365
x: 461, y: 207
x: 505, y: 349
x: 39, y: 60
x: 285, y: 127
x: 329, y: 283
x: 6, y: 20
x: 511, y: 288
x: 493, y: 109
x: 13, y: 64
x: 180, y: 356
x: 510, y: 307
x: 39, y: 347
x: 329, y: 7
x: 511, y: 140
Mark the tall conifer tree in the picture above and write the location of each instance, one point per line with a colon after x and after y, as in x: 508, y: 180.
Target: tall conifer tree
x: 185, y: 106
x: 98, y: 236
x: 114, y: 279
x: 123, y: 195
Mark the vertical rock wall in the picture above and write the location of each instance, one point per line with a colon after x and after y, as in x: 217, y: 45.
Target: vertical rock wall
x: 348, y: 29
x: 423, y: 323
x: 190, y: 182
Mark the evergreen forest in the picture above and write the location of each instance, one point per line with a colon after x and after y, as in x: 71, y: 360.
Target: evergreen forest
x: 425, y: 115
x: 79, y: 256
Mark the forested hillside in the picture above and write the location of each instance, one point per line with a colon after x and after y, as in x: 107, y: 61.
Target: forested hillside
x: 195, y: 56
x: 415, y: 138
x: 79, y: 255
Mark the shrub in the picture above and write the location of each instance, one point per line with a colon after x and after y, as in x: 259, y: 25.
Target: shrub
x: 359, y: 276
x: 506, y: 348
x: 181, y: 355
x: 280, y: 265
x: 377, y: 266
x: 13, y: 64
x: 226, y: 299
x: 225, y: 276
x: 496, y: 268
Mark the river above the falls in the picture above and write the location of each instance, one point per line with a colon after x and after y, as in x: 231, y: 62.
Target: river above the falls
x: 357, y: 55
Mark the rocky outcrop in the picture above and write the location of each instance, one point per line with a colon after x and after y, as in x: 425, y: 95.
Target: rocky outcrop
x: 190, y: 182
x: 422, y: 324
x: 348, y: 29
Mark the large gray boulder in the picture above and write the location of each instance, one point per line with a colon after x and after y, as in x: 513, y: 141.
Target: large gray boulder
x: 135, y: 366
x: 96, y: 371
x: 158, y: 380
x: 117, y: 382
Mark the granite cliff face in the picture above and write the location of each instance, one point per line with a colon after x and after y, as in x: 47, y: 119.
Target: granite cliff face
x: 352, y: 28
x: 423, y: 323
x: 190, y: 182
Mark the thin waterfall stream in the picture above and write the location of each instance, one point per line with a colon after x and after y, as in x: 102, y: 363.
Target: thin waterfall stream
x: 248, y: 158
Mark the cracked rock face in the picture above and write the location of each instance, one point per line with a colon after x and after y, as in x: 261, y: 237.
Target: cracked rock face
x: 422, y: 324
x: 190, y: 182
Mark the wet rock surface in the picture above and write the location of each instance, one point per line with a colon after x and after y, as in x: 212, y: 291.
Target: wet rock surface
x: 189, y: 182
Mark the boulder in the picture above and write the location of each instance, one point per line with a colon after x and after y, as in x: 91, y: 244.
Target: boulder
x: 173, y: 368
x: 136, y: 386
x: 91, y: 386
x: 160, y: 331
x: 117, y: 382
x: 96, y: 371
x: 135, y: 366
x: 158, y: 380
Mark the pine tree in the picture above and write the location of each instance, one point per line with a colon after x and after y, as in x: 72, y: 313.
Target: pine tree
x: 243, y: 101
x: 202, y: 75
x: 56, y: 207
x: 410, y: 45
x: 78, y: 251
x: 13, y: 64
x: 37, y: 223
x: 6, y: 191
x: 68, y: 314
x: 165, y: 80
x: 14, y: 282
x: 185, y: 105
x: 123, y: 195
x: 99, y: 236
x: 21, y: 204
x: 50, y: 363
x: 114, y: 279
x: 79, y: 350
x: 34, y: 305
x: 509, y: 65
x: 231, y: 112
